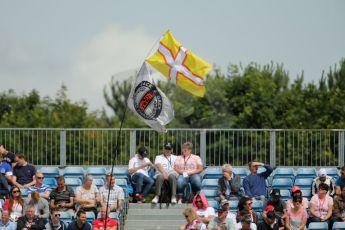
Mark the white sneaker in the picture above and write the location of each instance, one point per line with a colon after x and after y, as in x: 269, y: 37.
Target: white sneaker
x: 173, y: 200
x: 155, y: 200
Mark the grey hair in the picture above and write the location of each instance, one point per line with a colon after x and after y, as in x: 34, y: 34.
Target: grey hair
x: 227, y: 167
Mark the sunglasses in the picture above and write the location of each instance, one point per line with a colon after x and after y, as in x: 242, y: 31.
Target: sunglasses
x: 250, y: 203
x: 40, y: 177
x: 186, y: 216
x: 198, y: 201
x: 57, y: 215
x: 15, y: 191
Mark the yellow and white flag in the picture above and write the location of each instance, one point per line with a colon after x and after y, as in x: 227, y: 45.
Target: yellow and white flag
x: 180, y: 65
x: 149, y: 102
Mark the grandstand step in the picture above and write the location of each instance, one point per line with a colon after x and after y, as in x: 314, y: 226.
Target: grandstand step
x: 151, y: 223
x: 158, y: 227
x: 156, y: 206
x: 162, y: 211
x: 161, y: 217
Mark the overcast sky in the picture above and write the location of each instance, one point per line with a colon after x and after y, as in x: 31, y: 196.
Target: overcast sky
x: 82, y: 43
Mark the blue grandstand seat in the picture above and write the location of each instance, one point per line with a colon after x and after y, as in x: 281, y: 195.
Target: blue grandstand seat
x: 285, y: 194
x: 259, y: 216
x: 120, y: 172
x: 90, y: 217
x: 210, y: 194
x: 214, y: 204
x: 50, y: 172
x: 318, y: 226
x: 50, y: 181
x: 65, y: 217
x: 112, y: 215
x: 99, y: 182
x: 333, y: 172
x: 306, y: 193
x: 258, y: 205
x: 242, y: 172
x: 339, y: 225
x: 304, y: 183
x: 72, y: 171
x: 233, y: 205
x: 284, y: 173
x: 73, y: 181
x: 306, y: 173
x: 209, y: 183
x: 121, y: 182
x: 96, y: 171
x: 282, y: 183
x: 24, y: 193
x: 213, y: 173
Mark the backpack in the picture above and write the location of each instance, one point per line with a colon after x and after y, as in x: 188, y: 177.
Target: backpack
x: 165, y: 196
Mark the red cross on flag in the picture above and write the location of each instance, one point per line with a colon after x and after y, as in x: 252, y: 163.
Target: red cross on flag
x: 180, y: 65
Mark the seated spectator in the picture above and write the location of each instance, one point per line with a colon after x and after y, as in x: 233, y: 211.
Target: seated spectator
x: 54, y: 223
x: 40, y: 204
x: 296, y: 192
x: 255, y: 184
x: 296, y: 217
x: 15, y: 204
x: 23, y: 172
x: 321, y: 206
x: 193, y: 221
x: 339, y: 206
x: 229, y: 185
x: 5, y: 178
x: 5, y: 222
x: 7, y: 155
x: 225, y: 204
x: 42, y: 189
x: 340, y: 180
x: 30, y: 221
x: 116, y: 194
x: 139, y: 167
x: 111, y: 224
x: 87, y: 195
x: 278, y: 204
x: 246, y: 203
x: 62, y: 198
x: 246, y: 223
x: 80, y: 223
x: 221, y: 221
x: 165, y: 172
x: 202, y: 209
x: 189, y: 167
x: 270, y: 222
x: 323, y: 178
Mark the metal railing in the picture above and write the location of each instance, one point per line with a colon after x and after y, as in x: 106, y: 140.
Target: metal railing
x: 215, y: 146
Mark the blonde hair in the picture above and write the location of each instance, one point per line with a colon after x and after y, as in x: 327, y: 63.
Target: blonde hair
x: 187, y: 145
x: 190, y: 213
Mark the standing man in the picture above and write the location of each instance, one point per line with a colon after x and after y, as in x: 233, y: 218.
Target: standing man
x: 23, y: 172
x: 255, y: 183
x: 139, y: 167
x: 229, y: 184
x: 116, y: 194
x: 8, y: 156
x: 165, y: 172
x: 189, y: 167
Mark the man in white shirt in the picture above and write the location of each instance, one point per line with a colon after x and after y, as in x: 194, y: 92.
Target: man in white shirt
x: 139, y: 167
x: 165, y: 172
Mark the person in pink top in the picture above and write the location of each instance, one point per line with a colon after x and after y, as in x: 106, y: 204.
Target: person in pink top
x: 296, y: 216
x: 188, y: 166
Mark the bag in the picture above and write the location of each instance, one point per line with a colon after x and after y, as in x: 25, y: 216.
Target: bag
x: 165, y: 196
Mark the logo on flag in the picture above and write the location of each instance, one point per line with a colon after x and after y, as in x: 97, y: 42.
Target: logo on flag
x: 180, y: 65
x: 149, y: 102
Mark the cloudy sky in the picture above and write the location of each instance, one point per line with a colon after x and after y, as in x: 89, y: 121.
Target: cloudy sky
x: 82, y: 43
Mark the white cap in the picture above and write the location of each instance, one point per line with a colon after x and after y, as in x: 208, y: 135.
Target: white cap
x: 322, y: 173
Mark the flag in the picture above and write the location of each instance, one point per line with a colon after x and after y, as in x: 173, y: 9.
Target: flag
x: 149, y: 102
x: 180, y: 65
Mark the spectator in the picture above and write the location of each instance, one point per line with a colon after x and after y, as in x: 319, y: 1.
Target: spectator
x: 202, y: 209
x: 7, y: 156
x: 229, y: 185
x: 226, y: 204
x: 296, y: 192
x: 5, y: 178
x: 323, y: 178
x: 111, y: 224
x: 55, y: 223
x: 296, y: 217
x: 42, y: 189
x: 321, y: 206
x: 139, y: 167
x: 189, y: 167
x: 29, y: 221
x: 165, y: 172
x: 5, y: 222
x: 40, y: 204
x: 193, y: 221
x: 80, y: 223
x: 62, y: 198
x: 246, y: 203
x: 339, y: 206
x: 15, y: 204
x: 222, y: 221
x: 270, y: 221
x: 23, y: 172
x: 246, y: 223
x: 255, y: 184
x: 116, y: 194
x: 340, y: 180
x: 87, y: 195
x: 278, y: 204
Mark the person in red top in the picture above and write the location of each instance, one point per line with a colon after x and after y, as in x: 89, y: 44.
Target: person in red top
x: 98, y: 224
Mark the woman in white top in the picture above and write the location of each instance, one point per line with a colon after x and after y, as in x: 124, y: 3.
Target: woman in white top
x: 15, y: 204
x: 87, y: 195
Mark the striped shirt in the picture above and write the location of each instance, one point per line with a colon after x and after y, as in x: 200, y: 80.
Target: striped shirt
x: 116, y: 193
x: 42, y: 189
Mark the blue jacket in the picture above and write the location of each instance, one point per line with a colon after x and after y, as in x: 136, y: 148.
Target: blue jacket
x: 255, y: 185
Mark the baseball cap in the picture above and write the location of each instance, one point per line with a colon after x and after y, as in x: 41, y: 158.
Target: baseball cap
x: 224, y: 202
x: 322, y: 173
x: 222, y: 209
x: 275, y: 192
x: 269, y: 208
x: 168, y: 145
x: 142, y: 151
x: 295, y: 189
